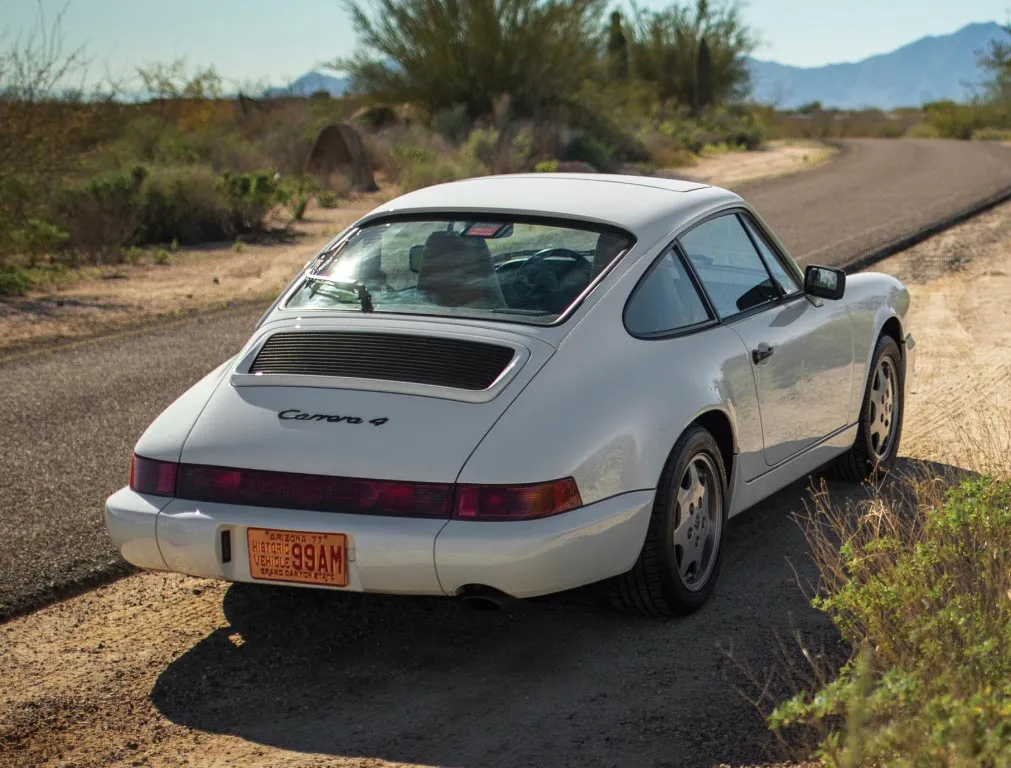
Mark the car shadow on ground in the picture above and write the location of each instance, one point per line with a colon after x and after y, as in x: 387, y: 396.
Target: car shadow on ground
x: 556, y: 681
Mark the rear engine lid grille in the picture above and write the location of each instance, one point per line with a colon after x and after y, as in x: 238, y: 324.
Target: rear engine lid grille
x: 437, y: 361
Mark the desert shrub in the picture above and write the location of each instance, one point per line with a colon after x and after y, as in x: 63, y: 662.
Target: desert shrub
x: 103, y: 214
x: 959, y: 121
x: 493, y: 150
x: 37, y: 238
x: 453, y: 123
x: 588, y: 149
x: 418, y: 167
x: 249, y: 197
x: 14, y: 281
x: 992, y: 134
x: 734, y: 128
x: 546, y: 166
x: 328, y: 200
x: 917, y: 583
x: 294, y: 195
x: 664, y: 151
x: 922, y: 131
x: 383, y: 145
x: 182, y: 204
x: 482, y: 147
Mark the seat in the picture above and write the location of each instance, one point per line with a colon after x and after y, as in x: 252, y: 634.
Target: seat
x: 459, y: 272
x: 607, y: 248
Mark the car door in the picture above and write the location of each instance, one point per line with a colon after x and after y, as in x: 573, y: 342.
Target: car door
x: 801, y: 348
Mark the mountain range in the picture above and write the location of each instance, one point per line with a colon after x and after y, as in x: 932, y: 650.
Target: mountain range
x: 929, y: 69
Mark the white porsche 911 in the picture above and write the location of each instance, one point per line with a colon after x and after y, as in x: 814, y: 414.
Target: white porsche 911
x: 516, y: 385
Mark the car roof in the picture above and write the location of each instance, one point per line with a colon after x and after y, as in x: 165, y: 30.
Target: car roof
x: 633, y: 203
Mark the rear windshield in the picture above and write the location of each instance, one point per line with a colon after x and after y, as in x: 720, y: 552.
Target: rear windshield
x: 507, y: 270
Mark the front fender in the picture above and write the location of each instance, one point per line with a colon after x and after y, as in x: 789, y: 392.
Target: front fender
x: 874, y: 299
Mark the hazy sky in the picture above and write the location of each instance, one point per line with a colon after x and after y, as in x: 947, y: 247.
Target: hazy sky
x: 257, y: 41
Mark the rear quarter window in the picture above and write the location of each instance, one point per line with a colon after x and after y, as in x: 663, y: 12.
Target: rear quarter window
x: 665, y: 301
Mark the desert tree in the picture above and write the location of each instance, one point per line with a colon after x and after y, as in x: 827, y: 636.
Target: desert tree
x: 995, y: 60
x: 444, y: 54
x: 694, y: 56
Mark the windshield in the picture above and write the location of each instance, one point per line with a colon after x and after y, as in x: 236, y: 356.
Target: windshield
x: 501, y: 269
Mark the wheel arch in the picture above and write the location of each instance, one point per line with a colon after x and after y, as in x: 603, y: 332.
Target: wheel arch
x: 719, y: 425
x: 893, y: 327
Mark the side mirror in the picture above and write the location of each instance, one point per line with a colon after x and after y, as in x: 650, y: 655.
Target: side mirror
x: 824, y: 282
x: 414, y: 258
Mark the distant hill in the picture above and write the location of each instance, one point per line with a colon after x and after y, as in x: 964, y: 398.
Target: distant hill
x: 929, y: 69
x: 313, y: 82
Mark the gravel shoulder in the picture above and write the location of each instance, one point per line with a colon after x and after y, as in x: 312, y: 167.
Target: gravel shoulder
x: 162, y: 670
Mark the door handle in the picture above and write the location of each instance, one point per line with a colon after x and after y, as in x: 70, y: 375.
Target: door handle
x: 762, y: 352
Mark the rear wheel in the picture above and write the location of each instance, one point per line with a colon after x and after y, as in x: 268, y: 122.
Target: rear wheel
x: 880, y: 428
x: 680, y: 562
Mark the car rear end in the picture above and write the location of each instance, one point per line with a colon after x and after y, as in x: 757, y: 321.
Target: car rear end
x: 328, y: 452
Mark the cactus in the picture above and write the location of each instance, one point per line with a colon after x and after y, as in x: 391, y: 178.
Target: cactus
x: 703, y: 77
x: 617, y: 48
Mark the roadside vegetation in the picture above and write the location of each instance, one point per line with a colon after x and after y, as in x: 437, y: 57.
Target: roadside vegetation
x: 89, y: 177
x: 917, y: 581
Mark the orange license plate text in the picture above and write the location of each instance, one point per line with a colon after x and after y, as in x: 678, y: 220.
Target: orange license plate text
x: 299, y: 556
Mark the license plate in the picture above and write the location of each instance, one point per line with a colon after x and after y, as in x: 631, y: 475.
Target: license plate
x: 306, y: 558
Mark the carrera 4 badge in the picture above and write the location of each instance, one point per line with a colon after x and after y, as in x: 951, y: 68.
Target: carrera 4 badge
x: 294, y: 414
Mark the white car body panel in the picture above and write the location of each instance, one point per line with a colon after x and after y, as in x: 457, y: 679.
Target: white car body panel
x: 582, y: 399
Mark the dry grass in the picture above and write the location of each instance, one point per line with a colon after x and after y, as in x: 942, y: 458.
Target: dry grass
x: 777, y: 158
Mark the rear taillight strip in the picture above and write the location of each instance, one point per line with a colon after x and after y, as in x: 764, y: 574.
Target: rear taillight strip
x: 324, y: 493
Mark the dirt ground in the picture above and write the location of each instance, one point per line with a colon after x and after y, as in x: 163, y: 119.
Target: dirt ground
x: 778, y: 158
x: 163, y: 670
x: 213, y: 276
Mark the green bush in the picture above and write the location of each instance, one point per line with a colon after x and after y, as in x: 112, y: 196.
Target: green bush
x: 922, y: 586
x: 249, y: 197
x: 183, y: 204
x: 959, y: 121
x: 992, y: 134
x: 419, y: 167
x: 37, y: 238
x: 546, y: 166
x: 294, y: 194
x: 103, y: 214
x: 328, y: 200
x: 588, y: 149
x: 13, y: 281
x: 922, y: 131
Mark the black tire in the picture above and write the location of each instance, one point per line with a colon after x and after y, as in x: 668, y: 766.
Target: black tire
x: 864, y: 460
x: 655, y: 586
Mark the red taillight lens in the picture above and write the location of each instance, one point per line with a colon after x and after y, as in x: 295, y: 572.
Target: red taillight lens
x: 320, y: 493
x: 516, y: 502
x: 155, y: 477
x: 323, y: 493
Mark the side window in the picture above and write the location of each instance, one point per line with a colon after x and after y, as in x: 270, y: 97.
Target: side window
x: 785, y: 279
x: 728, y: 265
x: 665, y: 301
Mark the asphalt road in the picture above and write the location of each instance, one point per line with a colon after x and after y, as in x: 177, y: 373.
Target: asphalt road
x: 69, y: 417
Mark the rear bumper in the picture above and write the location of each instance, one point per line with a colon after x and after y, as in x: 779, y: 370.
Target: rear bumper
x: 394, y: 555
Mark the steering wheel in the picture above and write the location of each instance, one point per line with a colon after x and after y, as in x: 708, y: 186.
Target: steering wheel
x: 529, y: 267
x: 539, y: 282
